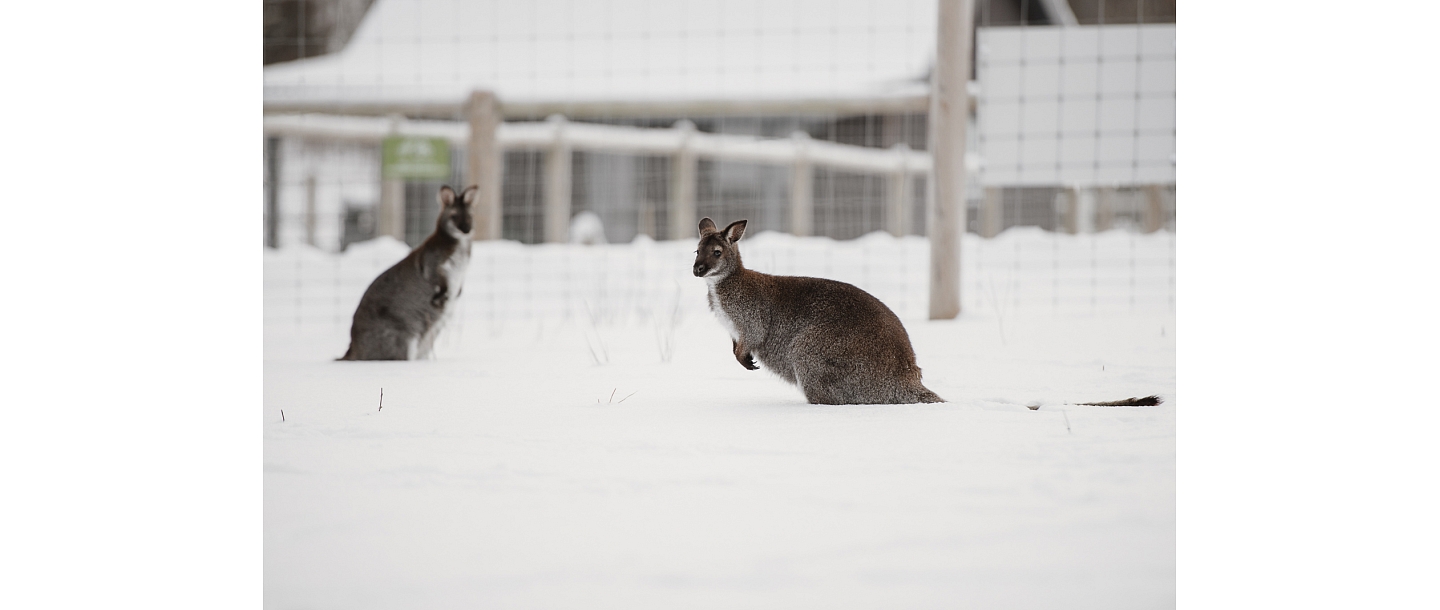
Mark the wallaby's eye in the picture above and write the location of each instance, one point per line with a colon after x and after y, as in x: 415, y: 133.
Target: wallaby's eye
x: 717, y: 254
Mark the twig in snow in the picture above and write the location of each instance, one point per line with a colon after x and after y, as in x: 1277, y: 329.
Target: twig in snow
x: 382, y: 399
x: 1067, y: 422
x: 612, y: 400
x: 603, y: 356
x: 282, y: 414
x: 665, y: 335
x: 999, y: 321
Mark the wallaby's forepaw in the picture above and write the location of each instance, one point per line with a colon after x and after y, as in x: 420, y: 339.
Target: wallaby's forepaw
x: 749, y: 362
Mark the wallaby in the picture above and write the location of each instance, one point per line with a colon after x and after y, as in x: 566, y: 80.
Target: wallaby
x: 837, y: 342
x: 404, y: 309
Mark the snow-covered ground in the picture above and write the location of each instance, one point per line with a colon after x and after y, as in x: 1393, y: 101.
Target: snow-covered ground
x: 607, y: 451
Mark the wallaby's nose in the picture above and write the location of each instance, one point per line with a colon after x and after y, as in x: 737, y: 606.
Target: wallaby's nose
x: 700, y: 269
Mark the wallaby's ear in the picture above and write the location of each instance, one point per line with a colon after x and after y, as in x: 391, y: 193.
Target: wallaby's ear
x: 447, y: 196
x: 469, y: 195
x: 735, y: 231
x: 707, y: 226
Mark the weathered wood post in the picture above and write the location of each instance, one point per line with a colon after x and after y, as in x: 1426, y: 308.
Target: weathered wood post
x: 897, y: 195
x: 484, y: 161
x: 1071, y: 210
x: 949, y: 113
x: 272, y: 192
x: 1105, y: 208
x: 310, y: 216
x: 390, y: 219
x: 557, y: 184
x: 992, y: 212
x: 1154, y: 214
x: 683, y: 172
x: 802, y: 184
x: 1085, y: 210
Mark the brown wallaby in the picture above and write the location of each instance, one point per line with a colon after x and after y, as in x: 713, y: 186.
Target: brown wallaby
x: 837, y: 342
x: 404, y: 309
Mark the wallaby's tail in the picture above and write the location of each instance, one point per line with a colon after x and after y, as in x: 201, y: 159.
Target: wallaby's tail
x: 1148, y: 401
x: 923, y: 394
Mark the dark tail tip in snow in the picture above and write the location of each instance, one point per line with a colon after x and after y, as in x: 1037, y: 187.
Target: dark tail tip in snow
x: 1148, y: 401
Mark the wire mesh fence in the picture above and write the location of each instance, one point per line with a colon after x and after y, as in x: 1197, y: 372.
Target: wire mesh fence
x: 1071, y: 133
x: 1023, y: 272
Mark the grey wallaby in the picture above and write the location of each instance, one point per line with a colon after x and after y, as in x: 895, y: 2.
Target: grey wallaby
x: 404, y: 309
x: 840, y: 344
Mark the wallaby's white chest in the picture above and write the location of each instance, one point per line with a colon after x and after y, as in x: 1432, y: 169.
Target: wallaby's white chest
x: 720, y: 314
x: 454, y: 269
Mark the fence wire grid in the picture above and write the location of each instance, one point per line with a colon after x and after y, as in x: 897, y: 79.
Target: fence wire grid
x: 1071, y: 133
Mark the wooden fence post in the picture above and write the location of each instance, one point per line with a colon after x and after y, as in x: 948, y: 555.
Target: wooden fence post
x: 1104, y: 208
x: 310, y: 217
x: 1071, y: 213
x: 272, y: 192
x: 484, y: 161
x: 802, y: 185
x: 1154, y: 214
x: 897, y: 196
x: 992, y: 212
x: 557, y: 185
x: 391, y: 217
x: 1085, y: 210
x: 949, y: 113
x: 683, y: 174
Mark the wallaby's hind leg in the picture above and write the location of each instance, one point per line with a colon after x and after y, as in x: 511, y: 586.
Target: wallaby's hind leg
x: 825, y: 383
x: 882, y: 378
x: 816, y: 393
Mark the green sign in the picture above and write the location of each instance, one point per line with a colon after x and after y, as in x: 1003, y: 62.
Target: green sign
x: 414, y: 157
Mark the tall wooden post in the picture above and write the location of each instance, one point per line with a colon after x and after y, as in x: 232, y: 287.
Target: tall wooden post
x: 1154, y: 215
x: 683, y: 172
x: 310, y: 219
x: 802, y: 185
x: 391, y: 219
x: 897, y: 195
x: 1105, y: 208
x: 1071, y: 211
x: 949, y: 113
x: 992, y: 212
x: 557, y: 185
x: 272, y: 192
x: 484, y: 160
x: 1085, y: 210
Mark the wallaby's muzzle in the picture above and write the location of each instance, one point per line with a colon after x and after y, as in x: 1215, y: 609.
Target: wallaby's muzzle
x: 700, y: 269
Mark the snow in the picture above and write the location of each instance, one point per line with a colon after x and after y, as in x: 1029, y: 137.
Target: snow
x: 618, y: 456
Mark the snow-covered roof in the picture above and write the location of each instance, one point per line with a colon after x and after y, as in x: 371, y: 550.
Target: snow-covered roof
x: 437, y: 51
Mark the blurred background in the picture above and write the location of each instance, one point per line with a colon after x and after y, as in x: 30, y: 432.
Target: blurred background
x: 614, y: 126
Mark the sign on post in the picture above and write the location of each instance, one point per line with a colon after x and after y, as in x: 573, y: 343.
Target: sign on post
x: 414, y: 157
